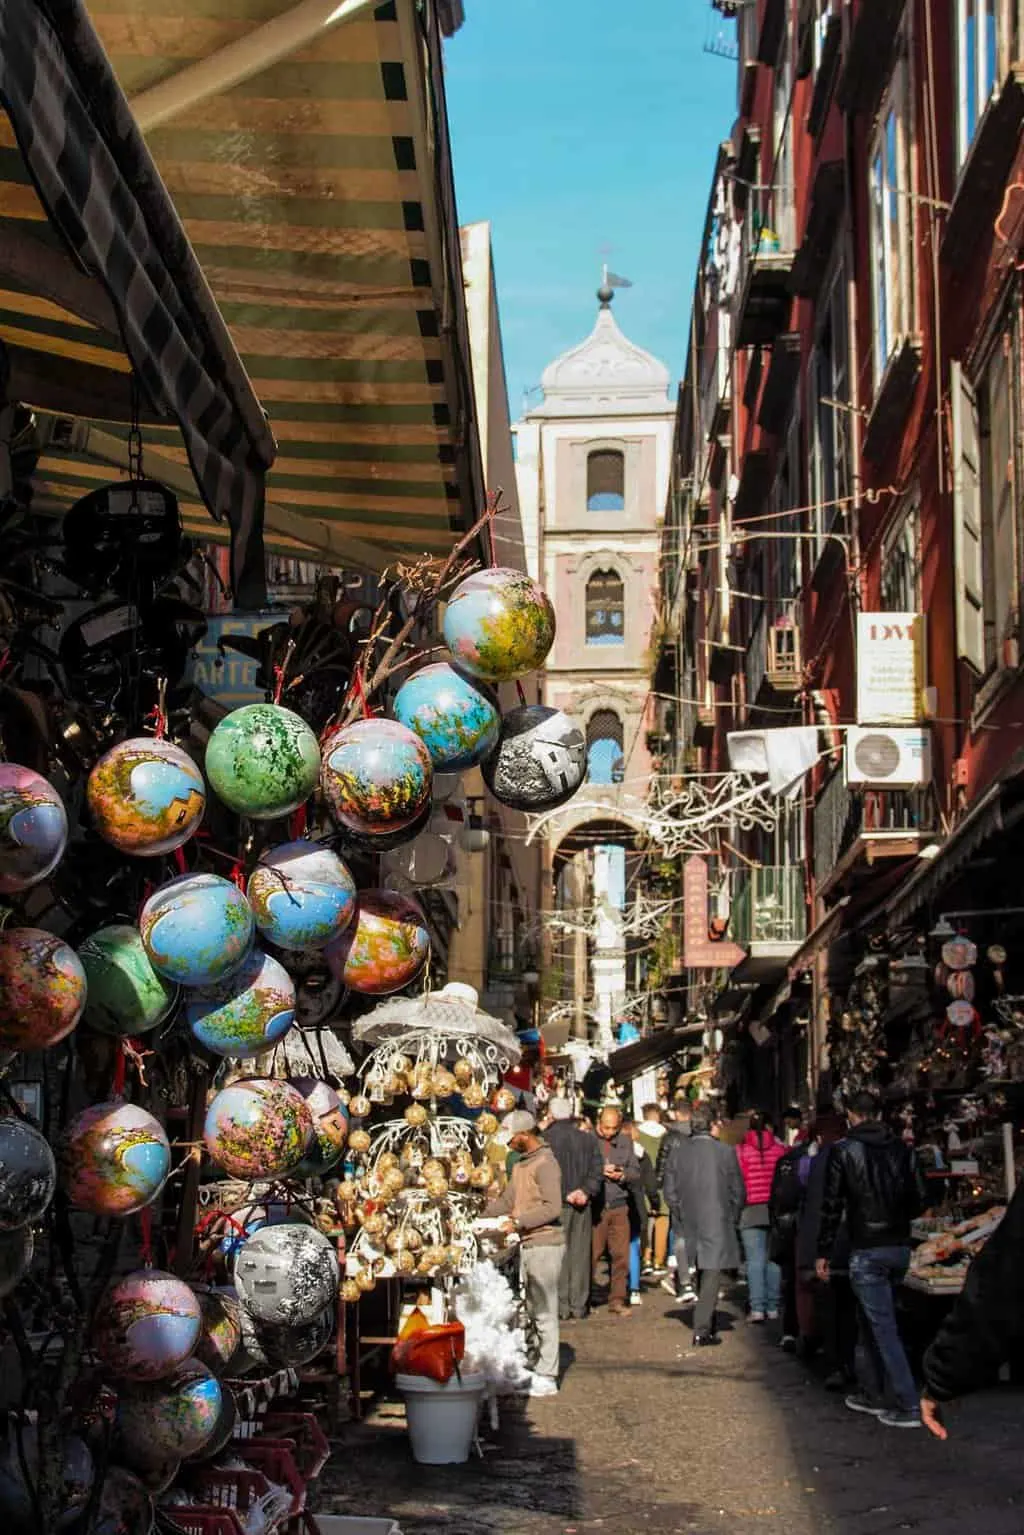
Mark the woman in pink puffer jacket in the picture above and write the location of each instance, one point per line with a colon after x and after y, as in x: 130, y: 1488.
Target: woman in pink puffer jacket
x: 758, y: 1155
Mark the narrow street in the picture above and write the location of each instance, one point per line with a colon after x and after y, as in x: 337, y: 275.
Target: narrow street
x: 649, y: 1435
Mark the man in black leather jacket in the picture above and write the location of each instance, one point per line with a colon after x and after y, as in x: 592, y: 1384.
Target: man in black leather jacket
x: 875, y: 1180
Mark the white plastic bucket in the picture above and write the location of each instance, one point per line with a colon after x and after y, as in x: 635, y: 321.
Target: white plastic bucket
x: 441, y: 1419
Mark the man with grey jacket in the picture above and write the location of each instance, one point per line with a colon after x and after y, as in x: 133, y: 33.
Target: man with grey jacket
x: 704, y: 1190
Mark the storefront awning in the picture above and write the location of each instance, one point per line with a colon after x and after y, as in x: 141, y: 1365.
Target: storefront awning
x: 98, y: 279
x: 631, y: 1060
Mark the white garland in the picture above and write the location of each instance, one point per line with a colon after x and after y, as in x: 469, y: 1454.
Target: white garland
x: 486, y: 1305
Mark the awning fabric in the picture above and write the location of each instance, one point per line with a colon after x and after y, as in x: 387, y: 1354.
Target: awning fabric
x: 661, y: 1045
x: 90, y: 175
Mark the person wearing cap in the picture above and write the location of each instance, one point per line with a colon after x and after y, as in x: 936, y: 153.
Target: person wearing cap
x: 532, y: 1205
x: 579, y: 1160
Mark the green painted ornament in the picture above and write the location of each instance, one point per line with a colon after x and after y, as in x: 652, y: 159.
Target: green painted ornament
x: 126, y: 996
x: 263, y: 761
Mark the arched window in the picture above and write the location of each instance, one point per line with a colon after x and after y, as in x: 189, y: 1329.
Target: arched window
x: 604, y: 747
x: 605, y: 617
x: 606, y: 481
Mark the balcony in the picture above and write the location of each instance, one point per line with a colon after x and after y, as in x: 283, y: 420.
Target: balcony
x: 857, y: 835
x: 766, y: 261
x: 769, y: 919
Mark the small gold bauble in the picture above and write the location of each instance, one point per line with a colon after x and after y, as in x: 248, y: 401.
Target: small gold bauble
x: 504, y: 1100
x: 474, y: 1096
x: 454, y: 1255
x: 350, y: 1290
x: 347, y: 1191
x: 462, y: 1071
x: 376, y: 1224
x: 437, y: 1188
x: 394, y: 1181
x: 396, y: 1241
x: 415, y: 1115
x: 444, y: 1083
x: 480, y: 1177
x: 366, y: 1280
x: 359, y: 1107
x: 386, y: 1161
x: 405, y: 1262
x: 433, y: 1167
x: 359, y: 1141
x: 412, y: 1238
x: 397, y: 1084
x: 487, y: 1123
x: 401, y: 1064
x: 344, y: 1096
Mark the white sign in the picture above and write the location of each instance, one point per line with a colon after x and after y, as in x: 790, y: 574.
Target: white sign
x: 890, y: 668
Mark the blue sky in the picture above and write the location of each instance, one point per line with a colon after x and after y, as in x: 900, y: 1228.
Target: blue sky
x: 577, y: 125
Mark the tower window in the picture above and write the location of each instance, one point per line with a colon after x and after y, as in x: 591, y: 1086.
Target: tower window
x: 606, y: 481
x: 605, y: 620
x: 604, y: 748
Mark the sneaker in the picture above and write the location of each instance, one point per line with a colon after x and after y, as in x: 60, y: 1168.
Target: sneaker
x: 787, y: 1343
x: 673, y: 1262
x: 688, y: 1295
x: 669, y: 1286
x: 706, y: 1340
x: 898, y: 1418
x: 648, y: 1268
x: 857, y: 1402
x: 635, y: 1298
x: 543, y: 1385
x: 756, y: 1316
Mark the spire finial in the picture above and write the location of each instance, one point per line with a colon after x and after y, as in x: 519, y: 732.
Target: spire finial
x: 605, y: 292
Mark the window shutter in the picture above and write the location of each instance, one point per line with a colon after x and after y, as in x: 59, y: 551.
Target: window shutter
x: 968, y: 573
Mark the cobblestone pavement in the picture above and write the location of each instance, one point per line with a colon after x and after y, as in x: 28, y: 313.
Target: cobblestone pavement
x: 650, y: 1437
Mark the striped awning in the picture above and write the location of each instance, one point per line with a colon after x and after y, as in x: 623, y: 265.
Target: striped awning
x: 317, y: 195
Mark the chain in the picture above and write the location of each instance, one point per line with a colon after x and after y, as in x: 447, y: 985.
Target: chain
x: 135, y: 473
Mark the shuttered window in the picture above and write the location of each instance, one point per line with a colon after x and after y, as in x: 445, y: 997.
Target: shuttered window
x: 606, y: 481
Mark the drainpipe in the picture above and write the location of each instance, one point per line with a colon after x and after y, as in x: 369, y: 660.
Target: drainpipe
x: 241, y: 60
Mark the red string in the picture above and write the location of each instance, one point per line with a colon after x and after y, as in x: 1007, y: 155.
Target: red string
x: 160, y: 722
x: 361, y: 693
x: 238, y: 875
x: 179, y: 859
x: 490, y: 537
x: 120, y: 1068
x: 146, y: 1223
x: 298, y: 827
x: 522, y: 693
x: 278, y: 683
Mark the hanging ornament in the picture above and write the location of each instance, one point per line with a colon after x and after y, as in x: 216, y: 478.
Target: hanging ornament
x: 33, y: 828
x: 385, y: 948
x: 28, y: 1174
x: 198, y: 929
x: 457, y: 719
x: 302, y: 895
x: 376, y: 776
x: 330, y: 1127
x: 146, y: 797
x: 247, y: 1013
x: 286, y: 1275
x: 357, y: 842
x: 959, y: 953
x: 499, y: 624
x: 263, y: 761
x: 20, y: 1453
x: 42, y: 989
x: 147, y: 1324
x: 114, y: 1159
x: 285, y: 1347
x: 172, y: 1419
x: 540, y: 760
x: 125, y: 1507
x: 220, y: 1336
x: 126, y: 996
x: 224, y: 1428
x: 258, y: 1128
x: 16, y: 1252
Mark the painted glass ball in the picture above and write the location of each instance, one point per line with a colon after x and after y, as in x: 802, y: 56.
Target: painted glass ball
x: 286, y: 1275
x: 247, y: 1013
x: 249, y: 1218
x: 330, y: 1127
x: 293, y: 1347
x: 147, y: 797
x: 33, y: 828
x: 385, y: 948
x: 359, y: 842
x: 263, y: 761
x: 302, y: 895
x: 126, y: 996
x: 376, y: 776
x: 540, y: 760
x: 499, y: 624
x: 16, y: 1252
x: 227, y: 1419
x: 221, y: 1330
x: 28, y: 1174
x: 457, y: 718
x: 258, y: 1128
x: 42, y: 989
x: 198, y: 929
x: 170, y: 1419
x: 114, y: 1159
x: 125, y: 1507
x: 16, y: 1505
x: 147, y: 1324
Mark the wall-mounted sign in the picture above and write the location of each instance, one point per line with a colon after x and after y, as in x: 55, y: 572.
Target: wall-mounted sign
x: 700, y: 950
x: 227, y: 675
x: 890, y: 668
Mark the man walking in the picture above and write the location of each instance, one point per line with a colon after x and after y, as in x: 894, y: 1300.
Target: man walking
x: 578, y: 1155
x: 677, y: 1280
x: 532, y: 1201
x: 704, y: 1190
x: 620, y: 1173
x: 875, y: 1180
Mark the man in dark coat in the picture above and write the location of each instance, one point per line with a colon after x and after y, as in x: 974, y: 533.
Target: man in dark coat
x: 578, y: 1155
x: 621, y: 1175
x: 986, y: 1324
x: 704, y: 1189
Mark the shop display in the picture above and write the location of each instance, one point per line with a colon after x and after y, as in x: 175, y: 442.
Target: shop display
x: 385, y: 948
x: 457, y: 719
x: 220, y: 1335
x: 540, y: 759
x: 499, y: 625
x: 170, y: 1419
x: 146, y: 797
x: 114, y: 1159
x: 33, y: 828
x: 146, y: 1325
x: 258, y: 1129
x: 246, y: 1014
x: 263, y: 761
x: 376, y: 776
x: 286, y: 1275
x: 28, y: 1175
x: 198, y: 929
x: 302, y: 896
x: 42, y: 989
x: 330, y: 1127
x: 126, y: 996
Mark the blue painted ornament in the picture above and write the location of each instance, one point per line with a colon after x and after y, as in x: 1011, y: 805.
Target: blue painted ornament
x: 376, y: 776
x: 302, y: 896
x: 457, y: 719
x: 197, y: 929
x: 499, y: 624
x: 33, y: 828
x: 170, y: 1419
x: 247, y: 1013
x: 146, y: 1325
x: 146, y: 797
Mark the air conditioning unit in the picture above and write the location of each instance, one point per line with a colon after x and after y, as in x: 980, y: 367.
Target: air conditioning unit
x: 888, y: 758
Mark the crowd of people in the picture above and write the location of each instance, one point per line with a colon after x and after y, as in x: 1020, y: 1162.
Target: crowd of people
x: 817, y: 1219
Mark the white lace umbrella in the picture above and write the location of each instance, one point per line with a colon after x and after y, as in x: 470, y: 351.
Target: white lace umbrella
x: 449, y: 1023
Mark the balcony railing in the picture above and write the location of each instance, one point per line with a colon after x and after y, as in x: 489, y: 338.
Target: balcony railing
x: 769, y: 237
x: 768, y: 907
x: 841, y: 816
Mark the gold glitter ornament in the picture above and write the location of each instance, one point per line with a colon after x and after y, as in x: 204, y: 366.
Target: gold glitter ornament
x: 444, y: 1083
x: 462, y: 1071
x: 405, y: 1263
x: 504, y: 1100
x: 480, y: 1177
x: 359, y: 1141
x: 350, y: 1291
x: 359, y: 1107
x: 366, y: 1281
x: 474, y: 1096
x: 415, y: 1115
x: 347, y: 1192
x: 487, y: 1123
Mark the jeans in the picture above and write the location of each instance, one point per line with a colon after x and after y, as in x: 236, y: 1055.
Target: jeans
x: 634, y: 1262
x: 540, y: 1267
x: 882, y: 1369
x: 764, y: 1279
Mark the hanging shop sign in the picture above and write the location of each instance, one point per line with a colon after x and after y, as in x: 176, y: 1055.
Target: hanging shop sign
x: 225, y: 675
x: 890, y: 668
x: 700, y: 950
